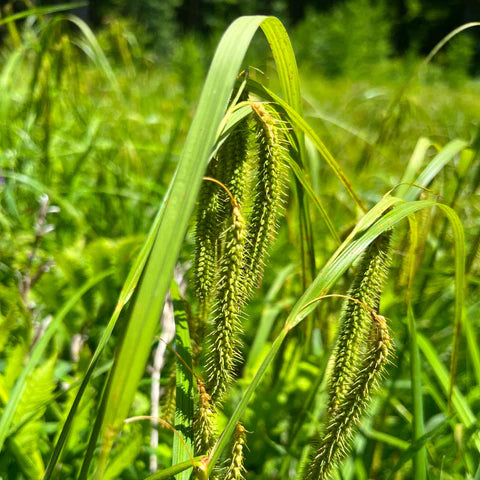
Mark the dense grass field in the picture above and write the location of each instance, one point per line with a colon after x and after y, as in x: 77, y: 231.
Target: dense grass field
x: 370, y: 364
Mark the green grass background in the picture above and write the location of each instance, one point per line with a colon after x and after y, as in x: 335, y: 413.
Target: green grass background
x: 99, y: 124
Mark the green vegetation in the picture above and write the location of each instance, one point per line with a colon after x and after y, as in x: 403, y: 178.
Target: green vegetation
x: 316, y: 250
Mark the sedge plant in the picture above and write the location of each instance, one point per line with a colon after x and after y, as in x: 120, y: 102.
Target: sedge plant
x: 243, y: 190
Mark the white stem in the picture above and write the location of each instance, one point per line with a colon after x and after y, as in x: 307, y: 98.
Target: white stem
x: 168, y: 334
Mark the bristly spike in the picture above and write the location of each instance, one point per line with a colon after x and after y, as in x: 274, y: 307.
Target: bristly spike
x: 268, y: 192
x: 204, y: 426
x: 356, y: 319
x: 224, y: 353
x: 362, y: 351
x: 208, y: 229
x: 236, y: 467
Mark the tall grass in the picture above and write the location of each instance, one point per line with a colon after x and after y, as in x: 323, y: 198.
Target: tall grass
x: 75, y: 344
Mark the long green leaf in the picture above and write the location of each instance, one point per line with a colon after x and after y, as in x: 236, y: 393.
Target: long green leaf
x: 472, y: 343
x: 420, y: 457
x: 98, y: 55
x: 42, y: 11
x: 285, y: 62
x: 445, y: 40
x: 174, y: 470
x: 183, y: 439
x: 459, y: 402
x: 416, y: 446
x: 287, y: 70
x: 314, y: 197
x: 437, y: 163
x: 385, y: 438
x: 414, y: 165
x: 299, y: 122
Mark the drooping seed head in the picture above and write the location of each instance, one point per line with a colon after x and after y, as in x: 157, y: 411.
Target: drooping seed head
x: 236, y: 467
x: 362, y: 351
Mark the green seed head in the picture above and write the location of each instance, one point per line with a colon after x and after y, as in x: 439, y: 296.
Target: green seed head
x: 224, y: 352
x: 356, y: 319
x: 204, y: 426
x: 267, y: 194
x: 236, y: 468
x: 362, y: 350
x: 235, y: 226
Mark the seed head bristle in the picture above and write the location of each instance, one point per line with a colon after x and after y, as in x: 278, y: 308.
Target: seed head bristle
x: 362, y: 351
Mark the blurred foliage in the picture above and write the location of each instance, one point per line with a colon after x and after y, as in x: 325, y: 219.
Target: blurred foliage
x: 340, y: 42
x: 459, y: 57
x: 406, y: 25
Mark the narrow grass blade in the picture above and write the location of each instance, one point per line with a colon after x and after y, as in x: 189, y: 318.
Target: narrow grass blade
x: 285, y: 62
x: 287, y: 70
x: 420, y: 457
x: 446, y: 39
x: 385, y: 438
x: 459, y: 403
x: 472, y: 343
x: 460, y: 255
x: 386, y: 203
x: 339, y: 263
x: 298, y: 121
x: 414, y: 165
x: 42, y: 11
x: 127, y: 291
x: 183, y: 424
x: 313, y: 196
x: 436, y: 164
x: 168, y: 473
x: 416, y: 446
x: 99, y: 57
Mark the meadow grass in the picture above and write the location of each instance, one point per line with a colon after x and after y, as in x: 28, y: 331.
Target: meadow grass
x: 122, y: 147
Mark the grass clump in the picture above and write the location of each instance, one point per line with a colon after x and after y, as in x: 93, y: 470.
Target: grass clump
x: 83, y: 279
